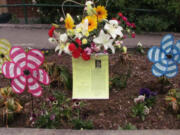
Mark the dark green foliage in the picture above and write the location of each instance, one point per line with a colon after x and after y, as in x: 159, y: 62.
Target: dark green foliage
x: 153, y: 23
x: 149, y: 15
x: 128, y: 126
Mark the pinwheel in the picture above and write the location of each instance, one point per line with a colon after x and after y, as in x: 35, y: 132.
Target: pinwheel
x: 166, y: 57
x: 24, y: 71
x: 5, y: 47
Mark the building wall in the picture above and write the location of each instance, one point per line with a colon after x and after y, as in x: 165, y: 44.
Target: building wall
x: 19, y: 11
x: 3, y: 10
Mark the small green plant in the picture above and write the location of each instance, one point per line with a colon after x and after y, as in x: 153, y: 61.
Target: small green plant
x: 128, y: 126
x: 81, y: 124
x: 56, y: 109
x: 139, y: 110
x: 77, y: 122
x: 120, y: 81
x: 47, y: 121
x: 143, y: 103
x: 59, y: 75
x: 150, y: 101
x: 140, y: 48
x: 14, y: 19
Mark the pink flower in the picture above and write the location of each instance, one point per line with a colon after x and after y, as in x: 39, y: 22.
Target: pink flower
x: 128, y: 24
x: 133, y: 35
x: 105, y: 52
x: 140, y: 98
x: 24, y: 71
x: 88, y: 51
x: 124, y: 18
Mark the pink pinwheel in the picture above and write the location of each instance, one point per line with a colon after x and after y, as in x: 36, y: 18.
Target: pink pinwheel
x: 24, y: 71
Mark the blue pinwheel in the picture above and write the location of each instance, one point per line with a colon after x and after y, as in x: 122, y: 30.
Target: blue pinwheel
x: 166, y: 57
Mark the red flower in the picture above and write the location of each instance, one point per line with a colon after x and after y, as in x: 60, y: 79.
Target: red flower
x: 133, y: 35
x: 120, y: 14
x: 51, y: 31
x: 72, y: 47
x: 78, y: 41
x: 85, y: 56
x: 76, y: 53
x: 133, y: 25
x: 124, y: 18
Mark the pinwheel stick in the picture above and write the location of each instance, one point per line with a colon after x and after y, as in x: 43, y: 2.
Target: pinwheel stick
x: 32, y: 99
x: 6, y: 117
x: 163, y: 82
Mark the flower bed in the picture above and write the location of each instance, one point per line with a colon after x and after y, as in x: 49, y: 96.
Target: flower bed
x: 99, y: 114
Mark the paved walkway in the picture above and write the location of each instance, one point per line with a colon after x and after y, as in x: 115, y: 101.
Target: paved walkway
x: 23, y: 131
x: 36, y: 36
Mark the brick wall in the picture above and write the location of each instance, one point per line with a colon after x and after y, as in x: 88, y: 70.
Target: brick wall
x: 19, y: 11
x: 3, y: 10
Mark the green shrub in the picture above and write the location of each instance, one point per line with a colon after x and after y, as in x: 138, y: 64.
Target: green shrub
x: 152, y: 23
x: 149, y: 15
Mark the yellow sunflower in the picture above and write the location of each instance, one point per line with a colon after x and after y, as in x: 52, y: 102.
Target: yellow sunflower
x: 101, y: 13
x: 69, y: 22
x: 92, y: 22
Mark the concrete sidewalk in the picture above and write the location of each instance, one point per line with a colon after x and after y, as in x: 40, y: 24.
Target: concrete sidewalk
x: 24, y: 131
x: 36, y: 36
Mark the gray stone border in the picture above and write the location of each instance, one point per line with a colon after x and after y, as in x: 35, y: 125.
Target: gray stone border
x: 28, y: 131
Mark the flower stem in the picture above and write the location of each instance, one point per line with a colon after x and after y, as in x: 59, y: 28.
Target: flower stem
x: 66, y: 2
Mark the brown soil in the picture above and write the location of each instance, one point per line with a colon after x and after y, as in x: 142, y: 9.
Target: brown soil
x: 109, y: 114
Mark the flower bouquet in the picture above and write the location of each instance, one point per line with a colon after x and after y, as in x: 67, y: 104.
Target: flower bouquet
x: 91, y: 34
x: 89, y: 41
